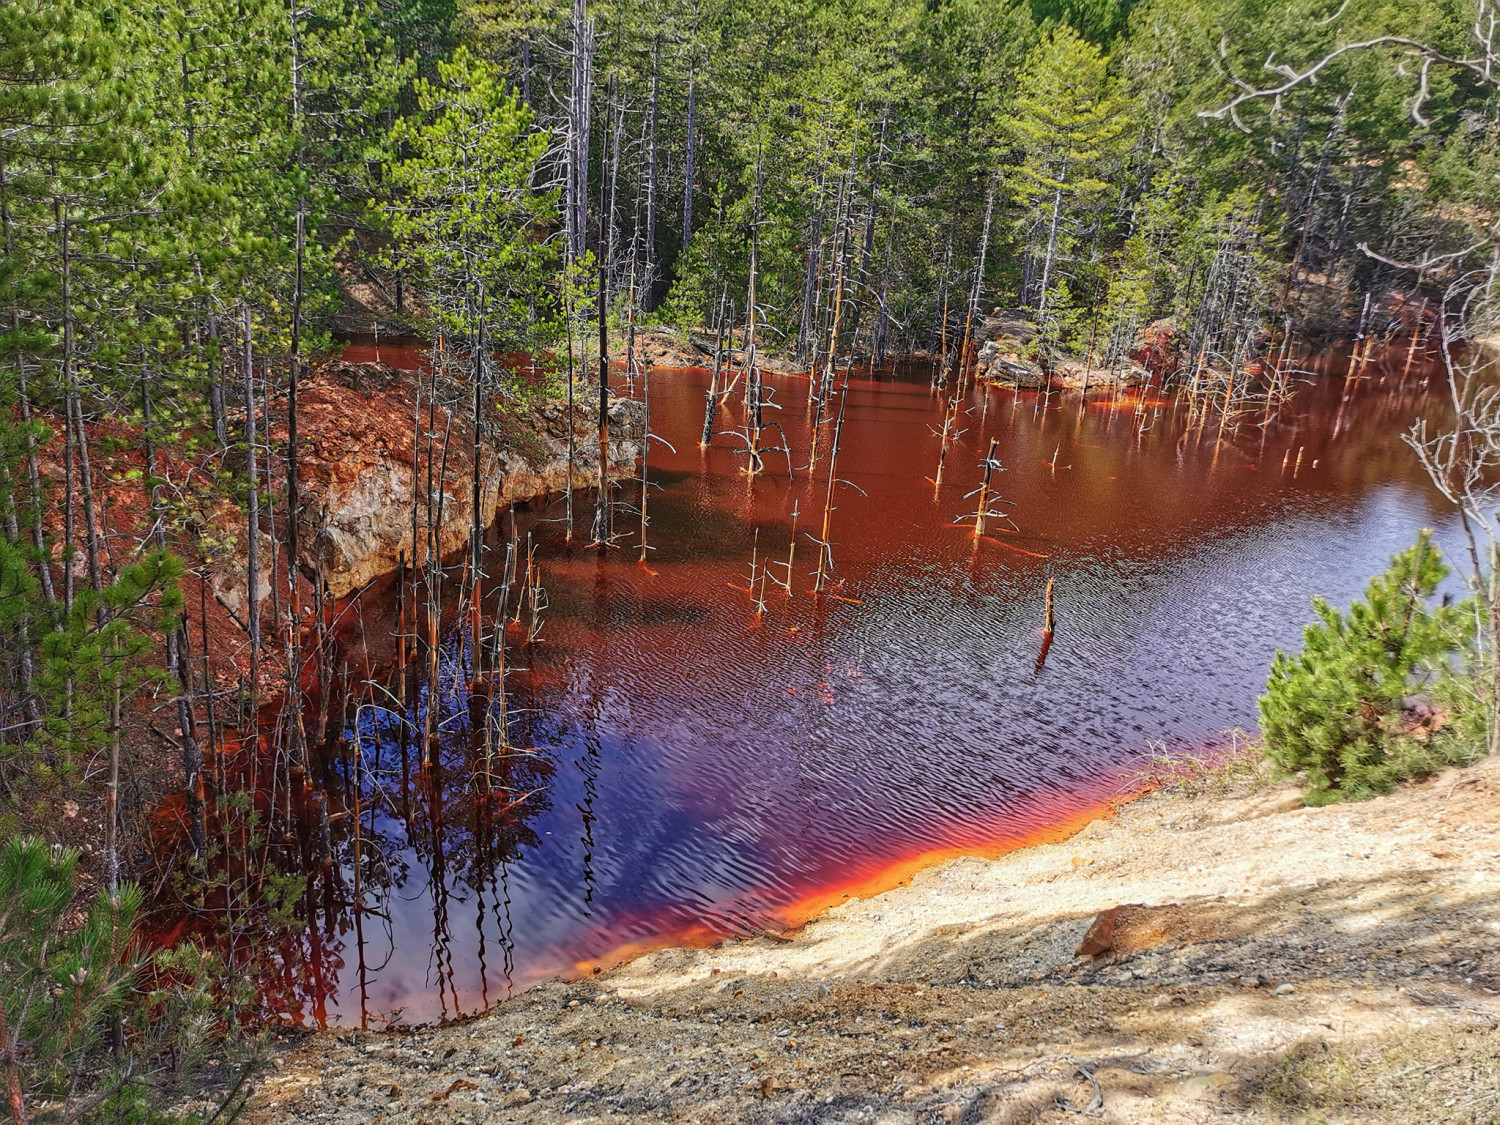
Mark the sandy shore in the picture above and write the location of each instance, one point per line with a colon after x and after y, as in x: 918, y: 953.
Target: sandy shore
x: 1268, y: 963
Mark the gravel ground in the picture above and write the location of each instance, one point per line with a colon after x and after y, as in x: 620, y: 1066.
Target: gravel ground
x: 1268, y: 963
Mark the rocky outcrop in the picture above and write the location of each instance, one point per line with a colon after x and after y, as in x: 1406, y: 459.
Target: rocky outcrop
x: 1078, y: 374
x: 998, y: 364
x: 1155, y: 347
x: 1004, y: 355
x: 692, y: 349
x: 1007, y: 356
x: 376, y: 464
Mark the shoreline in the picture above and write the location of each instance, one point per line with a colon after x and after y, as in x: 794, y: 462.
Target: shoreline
x: 1254, y: 944
x: 796, y: 915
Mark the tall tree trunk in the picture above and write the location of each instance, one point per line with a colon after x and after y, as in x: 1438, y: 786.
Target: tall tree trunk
x: 252, y: 546
x: 978, y: 290
x: 34, y: 487
x: 216, y: 384
x: 86, y: 491
x: 69, y: 376
x: 806, y: 325
x: 112, y: 787
x: 580, y: 94
x: 294, y: 372
x: 601, y: 502
x: 687, y: 166
x: 192, y: 753
x: 526, y: 70
x: 615, y: 142
x: 650, y: 280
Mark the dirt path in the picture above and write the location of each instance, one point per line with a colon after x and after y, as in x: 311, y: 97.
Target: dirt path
x: 1290, y: 964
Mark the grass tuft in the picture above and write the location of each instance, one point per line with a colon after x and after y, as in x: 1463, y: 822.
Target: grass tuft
x: 1238, y: 767
x: 1441, y: 1075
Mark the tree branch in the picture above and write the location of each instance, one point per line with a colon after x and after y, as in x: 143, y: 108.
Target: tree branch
x: 1309, y: 77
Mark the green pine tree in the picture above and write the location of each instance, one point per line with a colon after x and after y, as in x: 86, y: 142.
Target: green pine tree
x: 1069, y: 118
x: 466, y: 215
x: 1334, y: 709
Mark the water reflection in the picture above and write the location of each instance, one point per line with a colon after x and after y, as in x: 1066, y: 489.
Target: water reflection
x: 677, y: 765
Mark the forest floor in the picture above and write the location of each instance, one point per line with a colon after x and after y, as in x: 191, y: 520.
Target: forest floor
x: 1290, y: 964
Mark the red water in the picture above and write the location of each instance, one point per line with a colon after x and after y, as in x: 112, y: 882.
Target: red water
x: 703, y: 769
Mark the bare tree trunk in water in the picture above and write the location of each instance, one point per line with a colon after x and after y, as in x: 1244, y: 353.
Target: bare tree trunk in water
x: 601, y: 502
x: 711, y: 400
x: 978, y: 290
x: 572, y: 440
x: 294, y: 372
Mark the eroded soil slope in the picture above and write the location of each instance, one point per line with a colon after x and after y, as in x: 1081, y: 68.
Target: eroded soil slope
x: 1283, y: 964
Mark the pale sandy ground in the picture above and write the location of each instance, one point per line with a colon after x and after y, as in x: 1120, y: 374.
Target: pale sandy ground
x: 1334, y: 964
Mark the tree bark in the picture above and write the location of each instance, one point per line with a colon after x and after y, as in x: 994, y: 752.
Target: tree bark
x: 252, y: 546
x: 687, y: 170
x: 650, y: 281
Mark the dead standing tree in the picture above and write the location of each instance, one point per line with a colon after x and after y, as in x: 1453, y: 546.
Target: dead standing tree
x: 946, y: 437
x: 646, y: 439
x: 987, y: 508
x: 823, y: 540
x: 1462, y: 461
x: 976, y: 291
x: 711, y: 398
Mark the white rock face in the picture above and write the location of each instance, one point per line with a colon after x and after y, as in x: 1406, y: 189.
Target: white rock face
x: 359, y: 530
x: 365, y: 467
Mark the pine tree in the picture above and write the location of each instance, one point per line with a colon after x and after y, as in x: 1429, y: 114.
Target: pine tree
x: 1334, y: 709
x: 65, y: 987
x: 1068, y: 121
x: 466, y: 215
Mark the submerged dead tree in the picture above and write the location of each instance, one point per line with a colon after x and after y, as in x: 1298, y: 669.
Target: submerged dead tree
x: 711, y: 398
x: 976, y: 291
x: 988, y: 508
x: 602, y: 505
x: 823, y: 539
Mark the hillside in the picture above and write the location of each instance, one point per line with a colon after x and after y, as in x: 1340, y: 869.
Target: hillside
x: 1270, y: 962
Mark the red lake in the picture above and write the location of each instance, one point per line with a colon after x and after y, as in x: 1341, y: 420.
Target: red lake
x: 689, y: 768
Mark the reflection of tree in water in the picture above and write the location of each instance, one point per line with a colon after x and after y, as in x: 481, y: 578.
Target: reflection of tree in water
x: 446, y: 819
x: 304, y: 864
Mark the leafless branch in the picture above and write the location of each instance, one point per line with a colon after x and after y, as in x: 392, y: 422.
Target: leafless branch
x: 1427, y: 264
x: 1480, y: 68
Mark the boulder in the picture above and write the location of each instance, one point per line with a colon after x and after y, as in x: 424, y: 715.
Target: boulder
x: 1010, y: 369
x: 1078, y: 373
x: 1155, y: 347
x: 1014, y: 324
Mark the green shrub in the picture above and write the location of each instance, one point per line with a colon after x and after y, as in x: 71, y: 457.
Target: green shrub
x: 80, y: 1041
x: 1335, y: 710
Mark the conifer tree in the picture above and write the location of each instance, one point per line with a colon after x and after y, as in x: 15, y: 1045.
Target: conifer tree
x: 466, y: 216
x: 1334, y: 709
x: 1069, y: 118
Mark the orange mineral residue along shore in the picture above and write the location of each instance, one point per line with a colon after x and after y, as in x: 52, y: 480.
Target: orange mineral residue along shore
x: 898, y: 873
